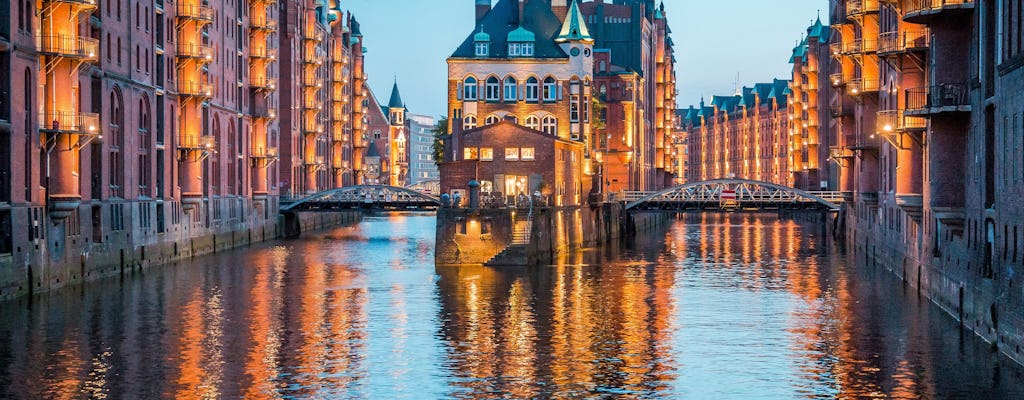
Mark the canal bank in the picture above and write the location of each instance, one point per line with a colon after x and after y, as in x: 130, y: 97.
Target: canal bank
x: 530, y: 236
x: 71, y: 258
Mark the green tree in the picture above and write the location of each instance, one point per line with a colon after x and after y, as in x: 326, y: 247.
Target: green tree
x: 440, y: 135
x: 599, y: 114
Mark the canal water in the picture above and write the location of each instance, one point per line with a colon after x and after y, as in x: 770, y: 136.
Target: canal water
x: 719, y: 307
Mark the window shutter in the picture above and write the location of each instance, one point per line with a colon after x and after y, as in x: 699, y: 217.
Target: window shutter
x: 559, y: 86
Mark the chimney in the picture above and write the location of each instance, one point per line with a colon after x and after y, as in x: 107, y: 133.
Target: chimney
x: 522, y: 9
x: 482, y: 8
x: 560, y: 8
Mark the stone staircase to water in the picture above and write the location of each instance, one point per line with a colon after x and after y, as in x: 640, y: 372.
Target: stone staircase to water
x: 516, y: 252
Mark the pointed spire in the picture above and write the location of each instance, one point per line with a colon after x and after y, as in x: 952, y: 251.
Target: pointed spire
x: 396, y: 98
x: 575, y: 27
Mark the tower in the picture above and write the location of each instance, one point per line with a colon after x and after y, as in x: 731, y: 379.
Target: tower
x: 399, y: 164
x: 576, y: 41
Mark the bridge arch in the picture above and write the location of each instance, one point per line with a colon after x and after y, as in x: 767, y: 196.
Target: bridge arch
x: 707, y: 195
x: 365, y: 196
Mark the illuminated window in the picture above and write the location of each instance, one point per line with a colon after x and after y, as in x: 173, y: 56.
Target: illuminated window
x: 574, y: 108
x: 526, y: 153
x: 491, y: 120
x: 493, y: 92
x: 511, y: 89
x: 482, y: 49
x: 533, y: 122
x: 511, y: 154
x: 486, y: 154
x: 469, y: 89
x: 469, y: 122
x: 550, y: 89
x: 532, y: 89
x: 470, y: 153
x: 550, y: 125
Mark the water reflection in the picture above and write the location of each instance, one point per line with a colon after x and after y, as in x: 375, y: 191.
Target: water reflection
x: 715, y: 306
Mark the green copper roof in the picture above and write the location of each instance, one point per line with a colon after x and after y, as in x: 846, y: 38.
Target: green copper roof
x: 481, y: 37
x: 818, y: 31
x: 521, y: 35
x: 575, y: 27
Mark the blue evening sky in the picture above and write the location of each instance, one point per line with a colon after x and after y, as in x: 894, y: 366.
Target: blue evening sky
x: 715, y: 40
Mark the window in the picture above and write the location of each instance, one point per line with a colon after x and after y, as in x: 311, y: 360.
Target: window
x: 511, y: 154
x: 574, y: 108
x: 533, y: 122
x: 469, y: 122
x: 511, y: 89
x: 493, y: 93
x: 550, y: 125
x: 469, y: 89
x: 526, y: 153
x: 532, y: 89
x: 492, y: 119
x: 520, y: 49
x: 487, y: 154
x: 550, y: 89
x: 470, y: 153
x: 586, y: 108
x: 483, y: 49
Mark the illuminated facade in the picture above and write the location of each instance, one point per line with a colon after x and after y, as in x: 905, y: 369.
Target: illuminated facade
x: 133, y: 133
x: 931, y: 149
x: 742, y: 136
x: 809, y: 140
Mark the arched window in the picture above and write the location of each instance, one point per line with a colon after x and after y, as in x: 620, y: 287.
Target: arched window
x: 533, y: 122
x: 469, y: 89
x: 144, y: 167
x: 532, y: 89
x: 492, y: 119
x: 493, y: 91
x: 550, y: 89
x: 30, y: 119
x: 117, y: 127
x: 469, y: 122
x: 550, y: 125
x: 511, y: 89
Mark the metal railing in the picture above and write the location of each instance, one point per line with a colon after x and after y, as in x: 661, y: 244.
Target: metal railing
x: 82, y: 4
x: 938, y: 96
x: 195, y: 89
x: 908, y: 40
x: 264, y: 152
x: 195, y: 51
x: 197, y: 142
x: 920, y: 6
x: 69, y: 122
x: 262, y: 53
x: 195, y: 12
x: 889, y: 121
x: 263, y: 23
x: 71, y: 46
x: 263, y: 83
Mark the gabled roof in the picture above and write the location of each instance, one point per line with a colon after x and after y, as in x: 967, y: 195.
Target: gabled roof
x: 818, y: 31
x: 574, y: 29
x: 504, y: 18
x: 372, y: 151
x: 799, y: 52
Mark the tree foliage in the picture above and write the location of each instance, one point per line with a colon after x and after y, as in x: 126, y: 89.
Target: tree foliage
x: 440, y: 132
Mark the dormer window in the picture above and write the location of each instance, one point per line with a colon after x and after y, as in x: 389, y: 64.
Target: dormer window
x: 483, y: 49
x: 520, y: 49
x: 520, y: 43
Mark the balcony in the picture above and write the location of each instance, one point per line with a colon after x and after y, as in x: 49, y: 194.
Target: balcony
x: 837, y: 79
x: 263, y: 53
x: 263, y: 23
x: 860, y: 46
x: 940, y: 99
x: 339, y: 136
x: 312, y: 35
x: 840, y: 111
x: 70, y: 46
x: 841, y: 155
x: 262, y: 112
x: 895, y: 121
x: 261, y: 152
x: 195, y: 12
x: 70, y: 122
x: 316, y: 163
x: 859, y: 86
x: 311, y: 81
x: 263, y: 84
x: 80, y: 5
x: 312, y: 128
x: 923, y: 11
x: 195, y: 89
x: 856, y: 8
x: 197, y: 142
x: 362, y: 142
x: 837, y: 49
x: 194, y: 52
x: 894, y: 43
x: 311, y: 58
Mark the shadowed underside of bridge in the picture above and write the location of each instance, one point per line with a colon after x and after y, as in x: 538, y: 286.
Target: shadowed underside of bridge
x: 733, y: 195
x: 366, y: 197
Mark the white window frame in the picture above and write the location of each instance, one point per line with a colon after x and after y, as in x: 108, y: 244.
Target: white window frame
x: 532, y: 89
x: 549, y: 125
x: 493, y: 89
x: 511, y: 89
x: 483, y: 49
x: 533, y: 122
x: 527, y: 154
x: 492, y: 119
x: 469, y: 122
x: 550, y: 89
x: 469, y: 89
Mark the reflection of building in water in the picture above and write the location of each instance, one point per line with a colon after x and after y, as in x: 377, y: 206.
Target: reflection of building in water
x: 569, y: 330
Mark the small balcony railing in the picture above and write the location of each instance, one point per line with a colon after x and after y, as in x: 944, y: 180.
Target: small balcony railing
x: 264, y: 84
x: 195, y: 12
x: 914, y: 10
x: 311, y: 81
x: 938, y: 98
x: 339, y: 136
x: 263, y: 23
x: 899, y: 42
x: 856, y: 8
x: 860, y: 46
x: 194, y: 52
x: 195, y: 89
x: 837, y: 79
x: 312, y: 34
x: 262, y: 111
x: 890, y: 121
x: 264, y: 152
x: 858, y: 86
x: 311, y: 58
x: 70, y: 46
x: 262, y: 53
x: 69, y: 122
x: 197, y: 142
x: 82, y: 5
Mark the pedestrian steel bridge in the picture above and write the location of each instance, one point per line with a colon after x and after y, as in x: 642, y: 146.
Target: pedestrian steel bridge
x: 374, y: 197
x: 731, y: 195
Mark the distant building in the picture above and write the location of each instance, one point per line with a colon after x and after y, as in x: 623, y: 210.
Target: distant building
x: 810, y: 137
x: 422, y: 167
x: 741, y: 136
